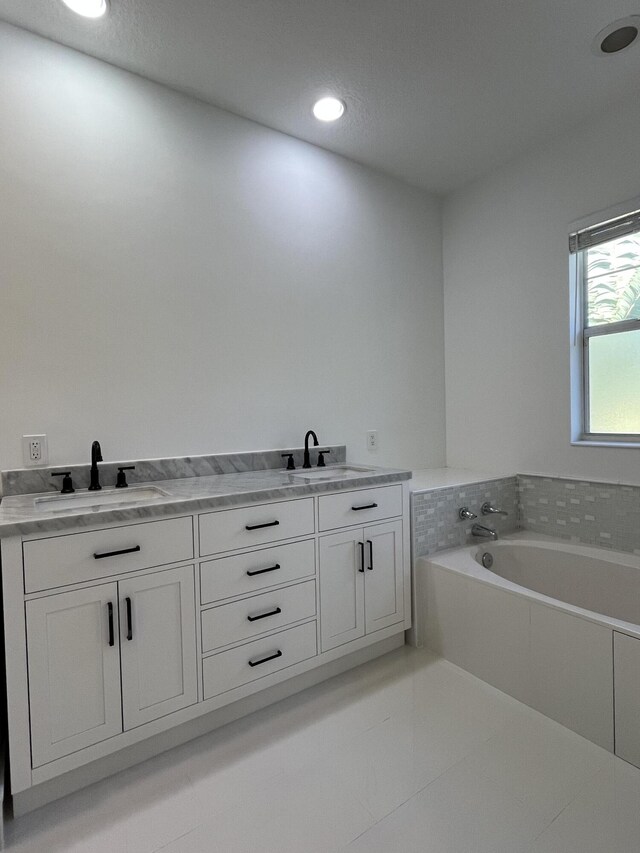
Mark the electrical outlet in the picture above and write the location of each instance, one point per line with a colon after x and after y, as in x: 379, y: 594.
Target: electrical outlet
x: 34, y: 450
x: 372, y: 439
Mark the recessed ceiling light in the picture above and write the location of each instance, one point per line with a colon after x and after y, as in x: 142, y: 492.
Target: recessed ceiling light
x: 617, y: 36
x: 328, y: 109
x: 87, y: 8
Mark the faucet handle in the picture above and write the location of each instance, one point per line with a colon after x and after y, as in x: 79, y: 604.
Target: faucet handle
x: 321, y: 453
x: 67, y: 482
x: 121, y: 479
x: 488, y: 509
x: 465, y: 514
x: 291, y: 465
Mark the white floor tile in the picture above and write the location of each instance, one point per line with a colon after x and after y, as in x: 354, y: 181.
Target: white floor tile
x: 407, y: 753
x: 136, y: 811
x: 542, y: 764
x: 604, y: 819
x: 307, y: 811
x: 434, y: 728
x: 458, y: 813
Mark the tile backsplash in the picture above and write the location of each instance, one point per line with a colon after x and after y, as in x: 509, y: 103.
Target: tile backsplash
x: 591, y: 513
x: 434, y: 514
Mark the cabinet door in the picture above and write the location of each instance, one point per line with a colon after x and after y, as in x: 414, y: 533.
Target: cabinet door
x: 384, y: 589
x: 341, y: 589
x: 74, y: 671
x: 158, y: 645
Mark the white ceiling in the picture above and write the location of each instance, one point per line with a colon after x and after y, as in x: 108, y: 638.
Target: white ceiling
x: 437, y: 91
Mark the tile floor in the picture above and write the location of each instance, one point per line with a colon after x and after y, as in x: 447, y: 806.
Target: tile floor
x: 407, y: 753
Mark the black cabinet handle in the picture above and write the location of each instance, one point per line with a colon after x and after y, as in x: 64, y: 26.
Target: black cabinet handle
x: 252, y: 572
x: 361, y: 545
x: 277, y: 654
x: 129, y: 619
x: 116, y: 553
x: 366, y: 506
x: 370, y: 544
x: 259, y: 526
x: 110, y: 614
x: 264, y: 615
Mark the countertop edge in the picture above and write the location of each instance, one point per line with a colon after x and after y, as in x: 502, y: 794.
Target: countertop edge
x: 62, y: 523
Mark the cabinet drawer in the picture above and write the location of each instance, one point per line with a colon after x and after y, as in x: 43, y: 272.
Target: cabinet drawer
x: 227, y: 670
x: 245, y: 527
x: 242, y: 620
x: 79, y: 557
x: 360, y: 507
x: 245, y: 573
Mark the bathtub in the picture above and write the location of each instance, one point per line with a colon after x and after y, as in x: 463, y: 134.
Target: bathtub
x: 553, y: 624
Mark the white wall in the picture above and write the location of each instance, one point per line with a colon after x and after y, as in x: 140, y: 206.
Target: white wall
x: 176, y: 280
x: 507, y: 302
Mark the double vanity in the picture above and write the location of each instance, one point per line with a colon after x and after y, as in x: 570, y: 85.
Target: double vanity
x: 138, y: 617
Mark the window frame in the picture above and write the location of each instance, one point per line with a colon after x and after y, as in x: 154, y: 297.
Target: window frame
x: 582, y: 334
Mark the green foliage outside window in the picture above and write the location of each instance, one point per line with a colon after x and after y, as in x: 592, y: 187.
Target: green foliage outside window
x: 613, y: 281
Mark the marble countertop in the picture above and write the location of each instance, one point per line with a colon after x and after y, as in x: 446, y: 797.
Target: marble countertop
x: 427, y: 479
x: 19, y: 515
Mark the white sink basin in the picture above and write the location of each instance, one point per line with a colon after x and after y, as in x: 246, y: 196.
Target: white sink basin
x: 332, y: 472
x: 97, y: 500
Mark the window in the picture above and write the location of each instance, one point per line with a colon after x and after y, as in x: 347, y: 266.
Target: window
x: 606, y: 264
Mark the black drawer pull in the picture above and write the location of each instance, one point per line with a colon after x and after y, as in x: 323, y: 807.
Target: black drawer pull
x: 361, y: 545
x: 277, y: 654
x: 116, y: 553
x: 366, y: 506
x: 259, y: 526
x: 110, y: 612
x: 129, y: 619
x: 264, y: 615
x: 253, y: 572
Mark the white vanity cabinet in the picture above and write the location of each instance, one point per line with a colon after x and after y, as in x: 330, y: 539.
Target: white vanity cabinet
x: 157, y: 644
x: 58, y: 561
x: 344, y: 509
x: 109, y: 658
x: 384, y: 588
x: 248, y: 527
x: 74, y: 670
x: 253, y: 600
x: 118, y: 633
x: 361, y: 582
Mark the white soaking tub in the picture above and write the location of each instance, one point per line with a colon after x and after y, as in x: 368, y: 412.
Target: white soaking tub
x: 547, y: 622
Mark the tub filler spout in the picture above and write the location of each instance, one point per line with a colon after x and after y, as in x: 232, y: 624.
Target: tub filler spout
x: 484, y: 532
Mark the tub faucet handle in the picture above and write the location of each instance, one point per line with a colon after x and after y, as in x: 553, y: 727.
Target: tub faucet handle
x: 465, y: 514
x: 487, y: 508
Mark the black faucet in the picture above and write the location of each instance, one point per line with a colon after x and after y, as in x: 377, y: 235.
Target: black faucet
x: 307, y: 461
x: 96, y: 456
